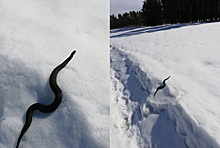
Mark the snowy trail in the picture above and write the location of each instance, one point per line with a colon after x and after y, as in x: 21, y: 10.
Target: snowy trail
x: 143, y: 120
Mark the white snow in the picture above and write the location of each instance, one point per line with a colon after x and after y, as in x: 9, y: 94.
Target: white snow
x: 186, y: 113
x: 35, y: 37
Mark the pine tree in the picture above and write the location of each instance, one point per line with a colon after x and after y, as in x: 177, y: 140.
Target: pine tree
x: 152, y: 13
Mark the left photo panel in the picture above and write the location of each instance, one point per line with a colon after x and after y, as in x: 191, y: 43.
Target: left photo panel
x: 54, y: 74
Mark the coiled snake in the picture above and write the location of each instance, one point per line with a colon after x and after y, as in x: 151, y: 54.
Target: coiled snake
x: 161, y: 87
x: 46, y: 108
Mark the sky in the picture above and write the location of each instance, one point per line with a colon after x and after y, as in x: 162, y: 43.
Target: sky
x: 121, y: 6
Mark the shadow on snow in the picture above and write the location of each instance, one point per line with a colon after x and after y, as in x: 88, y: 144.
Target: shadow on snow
x: 140, y: 30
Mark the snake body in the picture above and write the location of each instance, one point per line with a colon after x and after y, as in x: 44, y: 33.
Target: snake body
x: 161, y: 87
x: 46, y: 108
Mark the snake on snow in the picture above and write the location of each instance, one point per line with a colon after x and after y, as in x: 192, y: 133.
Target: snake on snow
x: 161, y: 87
x: 46, y: 108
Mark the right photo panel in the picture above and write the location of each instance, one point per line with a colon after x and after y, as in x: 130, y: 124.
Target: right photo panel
x: 164, y: 74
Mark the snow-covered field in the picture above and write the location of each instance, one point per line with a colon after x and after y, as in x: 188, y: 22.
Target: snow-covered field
x: 186, y: 113
x: 36, y: 36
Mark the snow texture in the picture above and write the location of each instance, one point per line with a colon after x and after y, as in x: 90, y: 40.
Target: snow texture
x: 184, y: 114
x: 35, y: 37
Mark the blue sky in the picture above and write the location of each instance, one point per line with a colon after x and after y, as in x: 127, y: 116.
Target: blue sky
x: 121, y: 6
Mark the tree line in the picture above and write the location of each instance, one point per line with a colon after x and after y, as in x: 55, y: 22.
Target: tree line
x: 126, y: 20
x: 157, y: 12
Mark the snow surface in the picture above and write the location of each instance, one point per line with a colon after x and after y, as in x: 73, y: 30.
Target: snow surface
x: 36, y: 36
x: 186, y: 113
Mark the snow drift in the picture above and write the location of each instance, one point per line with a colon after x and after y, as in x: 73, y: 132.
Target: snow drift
x: 183, y: 114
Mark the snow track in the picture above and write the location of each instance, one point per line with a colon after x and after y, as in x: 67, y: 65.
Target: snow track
x: 143, y: 120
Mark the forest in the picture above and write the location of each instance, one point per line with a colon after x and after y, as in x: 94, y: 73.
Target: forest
x: 158, y: 12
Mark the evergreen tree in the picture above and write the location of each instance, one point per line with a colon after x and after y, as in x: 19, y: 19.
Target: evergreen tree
x: 134, y: 18
x: 157, y: 12
x: 152, y: 12
x: 113, y: 22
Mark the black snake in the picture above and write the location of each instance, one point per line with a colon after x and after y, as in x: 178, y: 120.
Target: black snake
x: 161, y: 87
x: 46, y: 108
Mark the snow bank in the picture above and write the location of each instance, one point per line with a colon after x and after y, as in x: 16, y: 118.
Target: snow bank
x: 36, y: 36
x: 183, y: 114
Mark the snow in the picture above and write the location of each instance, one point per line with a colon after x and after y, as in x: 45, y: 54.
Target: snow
x: 35, y: 37
x: 186, y: 112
